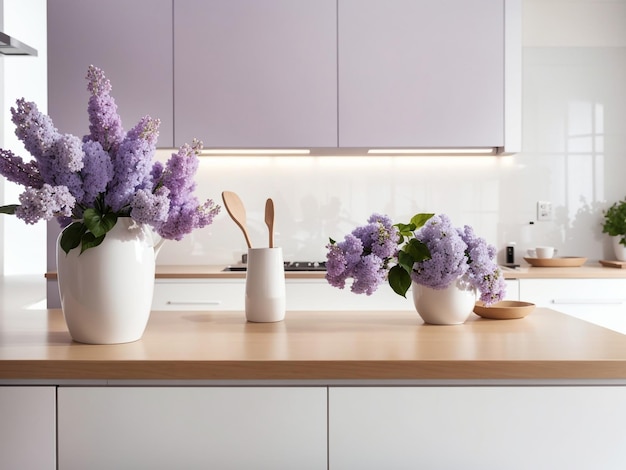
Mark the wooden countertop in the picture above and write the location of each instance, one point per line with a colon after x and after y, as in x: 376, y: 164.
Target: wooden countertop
x: 590, y: 270
x: 336, y: 345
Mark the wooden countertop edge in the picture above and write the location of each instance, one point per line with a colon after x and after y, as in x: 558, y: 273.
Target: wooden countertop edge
x: 311, y: 370
x: 592, y: 270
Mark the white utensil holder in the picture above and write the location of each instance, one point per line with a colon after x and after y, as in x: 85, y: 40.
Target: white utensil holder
x: 265, y: 285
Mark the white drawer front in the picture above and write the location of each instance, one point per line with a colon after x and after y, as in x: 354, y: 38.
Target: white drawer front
x: 552, y: 292
x: 198, y: 294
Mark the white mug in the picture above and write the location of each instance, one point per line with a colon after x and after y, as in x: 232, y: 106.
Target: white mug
x: 265, y: 285
x: 544, y: 251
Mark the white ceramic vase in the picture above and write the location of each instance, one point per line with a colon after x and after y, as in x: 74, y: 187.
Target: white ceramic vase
x: 449, y: 306
x: 265, y: 285
x: 106, y: 292
x: 618, y: 248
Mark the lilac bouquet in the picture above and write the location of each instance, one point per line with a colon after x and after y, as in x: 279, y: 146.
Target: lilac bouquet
x: 88, y: 183
x: 428, y: 251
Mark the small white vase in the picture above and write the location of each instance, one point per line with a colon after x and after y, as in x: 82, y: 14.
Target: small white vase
x: 106, y: 291
x: 265, y: 285
x: 449, y: 306
x: 618, y: 248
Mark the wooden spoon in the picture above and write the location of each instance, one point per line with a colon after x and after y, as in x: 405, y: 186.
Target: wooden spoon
x: 269, y: 219
x: 237, y: 212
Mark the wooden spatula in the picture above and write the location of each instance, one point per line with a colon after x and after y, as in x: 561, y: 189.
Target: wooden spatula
x: 237, y: 212
x: 269, y: 219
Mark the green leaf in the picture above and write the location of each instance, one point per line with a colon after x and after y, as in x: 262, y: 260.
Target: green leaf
x: 98, y: 223
x: 406, y: 230
x: 406, y: 261
x: 399, y: 280
x: 9, y: 209
x: 420, y: 219
x: 332, y: 242
x: 71, y: 236
x: 90, y: 241
x: 417, y: 250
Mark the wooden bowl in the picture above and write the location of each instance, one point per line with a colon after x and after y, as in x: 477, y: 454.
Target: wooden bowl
x: 504, y: 310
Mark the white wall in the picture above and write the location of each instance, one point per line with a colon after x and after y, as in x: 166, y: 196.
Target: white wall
x: 23, y: 247
x: 574, y: 147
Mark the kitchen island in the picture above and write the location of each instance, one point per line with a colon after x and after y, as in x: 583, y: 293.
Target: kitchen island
x: 322, y: 389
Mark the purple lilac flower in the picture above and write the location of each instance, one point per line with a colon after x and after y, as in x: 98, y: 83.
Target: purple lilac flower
x: 96, y: 173
x: 379, y: 236
x: 105, y: 125
x: 363, y: 255
x: 483, y: 272
x: 132, y: 163
x: 35, y: 130
x: 57, y: 156
x: 108, y: 165
x: 368, y: 274
x: 151, y: 208
x: 14, y: 169
x: 447, y: 250
x: 342, y: 259
x: 44, y: 203
x: 185, y: 212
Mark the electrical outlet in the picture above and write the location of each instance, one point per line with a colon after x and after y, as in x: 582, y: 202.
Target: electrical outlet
x: 544, y: 210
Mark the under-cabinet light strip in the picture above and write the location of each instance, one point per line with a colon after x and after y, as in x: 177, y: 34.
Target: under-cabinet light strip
x: 255, y: 152
x: 437, y: 151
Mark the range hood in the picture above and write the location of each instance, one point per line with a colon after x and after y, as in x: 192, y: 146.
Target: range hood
x: 11, y: 46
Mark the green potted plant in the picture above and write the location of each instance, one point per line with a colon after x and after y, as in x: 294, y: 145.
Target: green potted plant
x: 614, y: 224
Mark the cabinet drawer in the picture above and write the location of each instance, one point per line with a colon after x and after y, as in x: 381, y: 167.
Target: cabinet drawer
x: 554, y: 292
x: 198, y: 294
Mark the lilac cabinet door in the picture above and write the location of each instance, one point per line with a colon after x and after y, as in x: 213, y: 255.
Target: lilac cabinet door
x: 131, y: 41
x: 421, y: 73
x: 256, y: 74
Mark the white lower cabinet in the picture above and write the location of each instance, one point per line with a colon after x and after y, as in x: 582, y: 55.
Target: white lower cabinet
x: 512, y: 289
x: 192, y: 428
x: 301, y: 294
x: 598, y: 301
x: 487, y: 428
x: 28, y: 427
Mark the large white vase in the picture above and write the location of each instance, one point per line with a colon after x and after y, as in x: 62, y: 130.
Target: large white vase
x: 106, y: 292
x: 449, y: 306
x: 618, y: 248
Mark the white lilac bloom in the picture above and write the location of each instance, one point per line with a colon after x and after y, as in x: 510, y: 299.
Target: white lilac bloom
x: 45, y: 203
x: 150, y: 208
x: 90, y: 182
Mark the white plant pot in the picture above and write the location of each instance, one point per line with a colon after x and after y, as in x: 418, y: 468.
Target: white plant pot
x: 265, y: 285
x: 106, y: 292
x: 618, y: 248
x: 449, y: 306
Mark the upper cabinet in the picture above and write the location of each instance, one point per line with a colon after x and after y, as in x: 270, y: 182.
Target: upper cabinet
x: 131, y: 41
x: 251, y: 73
x: 421, y: 73
x: 336, y: 75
